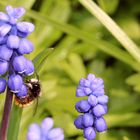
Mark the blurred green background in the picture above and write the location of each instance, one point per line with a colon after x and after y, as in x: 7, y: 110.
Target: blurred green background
x: 82, y: 45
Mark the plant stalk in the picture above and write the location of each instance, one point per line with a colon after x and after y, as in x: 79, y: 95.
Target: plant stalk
x: 114, y: 29
x: 6, y: 115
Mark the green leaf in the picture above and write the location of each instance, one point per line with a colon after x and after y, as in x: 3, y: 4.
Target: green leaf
x: 133, y: 79
x: 129, y: 24
x: 109, y: 6
x: 24, y: 3
x: 40, y: 59
x: 54, y: 9
x: 74, y: 67
x: 14, y: 123
x: 127, y: 119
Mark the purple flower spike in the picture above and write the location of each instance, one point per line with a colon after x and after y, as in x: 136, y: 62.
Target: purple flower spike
x: 15, y: 83
x: 13, y: 42
x: 12, y: 48
x: 4, y: 17
x: 89, y: 133
x: 45, y: 132
x: 2, y: 85
x: 93, y: 108
x: 29, y: 67
x: 79, y: 122
x: 100, y: 124
x: 34, y: 132
x: 3, y: 67
x: 19, y: 64
x: 82, y: 106
x: 55, y: 133
x: 46, y: 125
x: 25, y: 27
x: 4, y: 29
x: 23, y: 92
x: 88, y: 120
x: 99, y: 110
x: 25, y: 46
x: 5, y: 53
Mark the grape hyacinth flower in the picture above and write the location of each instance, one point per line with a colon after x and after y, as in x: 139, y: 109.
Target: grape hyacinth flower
x: 92, y: 108
x: 13, y: 45
x: 45, y: 131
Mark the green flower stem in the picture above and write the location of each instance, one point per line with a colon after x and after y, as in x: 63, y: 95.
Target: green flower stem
x: 116, y: 31
x: 6, y: 115
x: 15, y: 119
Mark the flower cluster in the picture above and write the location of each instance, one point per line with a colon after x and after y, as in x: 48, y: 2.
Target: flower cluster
x: 45, y: 131
x: 93, y: 108
x: 13, y: 46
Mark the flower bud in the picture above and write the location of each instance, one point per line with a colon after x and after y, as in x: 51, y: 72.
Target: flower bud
x: 91, y: 77
x: 88, y: 120
x: 3, y: 67
x: 18, y: 12
x: 46, y: 125
x: 82, y: 106
x: 100, y: 124
x: 15, y: 12
x: 2, y: 85
x: 84, y: 82
x: 23, y: 92
x: 25, y: 46
x: 5, y: 53
x: 89, y: 133
x: 34, y: 132
x: 3, y: 40
x: 13, y: 31
x: 55, y: 134
x: 92, y: 100
x: 98, y: 83
x: 105, y: 107
x: 103, y: 99
x: 13, y: 42
x: 98, y: 92
x: 79, y: 122
x: 25, y: 28
x: 80, y: 92
x: 99, y: 110
x: 4, y: 29
x: 60, y: 137
x: 15, y: 83
x: 4, y: 17
x: 19, y: 64
x: 29, y: 67
x: 87, y: 91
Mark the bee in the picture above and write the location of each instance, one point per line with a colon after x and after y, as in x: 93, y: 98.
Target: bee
x: 33, y: 92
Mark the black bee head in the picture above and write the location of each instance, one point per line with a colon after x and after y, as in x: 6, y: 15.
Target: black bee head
x: 34, y: 87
